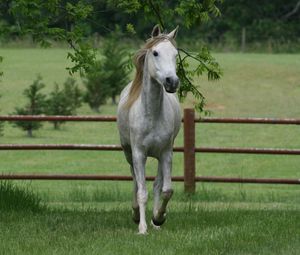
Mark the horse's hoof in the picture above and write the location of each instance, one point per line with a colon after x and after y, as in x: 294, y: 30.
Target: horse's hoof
x: 142, y: 233
x: 154, y: 226
x: 159, y: 222
x: 143, y: 229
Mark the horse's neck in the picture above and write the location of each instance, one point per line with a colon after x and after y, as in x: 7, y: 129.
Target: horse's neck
x: 152, y: 97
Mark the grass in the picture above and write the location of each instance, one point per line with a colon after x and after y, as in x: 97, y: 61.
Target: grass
x: 94, y: 217
x: 15, y: 198
x: 202, y: 229
x: 194, y: 227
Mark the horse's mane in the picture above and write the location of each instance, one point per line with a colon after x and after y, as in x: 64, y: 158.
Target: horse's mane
x: 139, y: 60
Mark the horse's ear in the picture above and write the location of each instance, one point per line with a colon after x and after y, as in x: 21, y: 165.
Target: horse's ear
x: 155, y: 31
x: 173, y: 34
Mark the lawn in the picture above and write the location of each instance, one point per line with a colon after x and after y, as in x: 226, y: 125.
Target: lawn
x: 94, y: 217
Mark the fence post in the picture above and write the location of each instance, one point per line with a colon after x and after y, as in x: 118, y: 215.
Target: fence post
x: 189, y: 151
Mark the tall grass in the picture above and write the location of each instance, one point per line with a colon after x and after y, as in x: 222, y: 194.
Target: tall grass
x: 17, y: 198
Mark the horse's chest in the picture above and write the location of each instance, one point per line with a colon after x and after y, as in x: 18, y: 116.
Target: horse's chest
x: 157, y: 138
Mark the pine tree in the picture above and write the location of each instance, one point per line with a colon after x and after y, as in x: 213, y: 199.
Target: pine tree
x: 109, y: 75
x: 1, y: 127
x: 116, y: 60
x: 35, y: 106
x: 97, y: 91
x: 64, y: 101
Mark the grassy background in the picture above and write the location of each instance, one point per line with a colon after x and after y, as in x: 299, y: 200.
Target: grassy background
x: 94, y: 217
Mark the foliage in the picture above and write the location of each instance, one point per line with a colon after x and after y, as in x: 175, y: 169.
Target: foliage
x: 187, y: 13
x: 1, y: 59
x: 1, y: 126
x: 115, y: 68
x: 1, y: 123
x: 270, y: 22
x: 64, y: 101
x: 110, y: 74
x: 54, y: 20
x: 69, y: 21
x: 36, y: 105
x: 97, y: 90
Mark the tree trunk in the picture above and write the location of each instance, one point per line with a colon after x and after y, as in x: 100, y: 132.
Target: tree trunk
x: 113, y: 98
x: 243, y: 42
x: 56, y: 125
x: 29, y: 133
x: 96, y: 109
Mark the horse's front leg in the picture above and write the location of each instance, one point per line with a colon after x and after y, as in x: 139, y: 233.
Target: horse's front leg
x: 157, y: 188
x: 139, y: 161
x: 165, y: 166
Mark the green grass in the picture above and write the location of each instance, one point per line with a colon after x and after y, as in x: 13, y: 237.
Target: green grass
x: 82, y: 217
x: 105, y: 227
x: 204, y: 228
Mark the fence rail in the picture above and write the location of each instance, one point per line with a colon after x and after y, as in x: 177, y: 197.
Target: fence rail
x: 85, y: 118
x: 96, y: 177
x: 103, y: 147
x: 189, y: 149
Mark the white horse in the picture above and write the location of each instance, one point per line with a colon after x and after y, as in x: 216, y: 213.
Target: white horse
x: 148, y: 121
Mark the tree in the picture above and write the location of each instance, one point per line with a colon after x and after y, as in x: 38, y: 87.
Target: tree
x: 1, y: 123
x: 97, y: 90
x: 35, y: 106
x: 64, y: 101
x: 186, y: 13
x: 68, y: 21
x: 115, y: 64
x: 1, y: 126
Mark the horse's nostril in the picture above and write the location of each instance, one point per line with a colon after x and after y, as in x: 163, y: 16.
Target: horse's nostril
x: 168, y: 80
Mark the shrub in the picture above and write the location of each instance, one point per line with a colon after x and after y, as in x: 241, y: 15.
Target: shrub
x: 97, y: 91
x: 115, y: 65
x: 35, y: 106
x: 1, y: 125
x: 64, y: 101
x: 109, y: 75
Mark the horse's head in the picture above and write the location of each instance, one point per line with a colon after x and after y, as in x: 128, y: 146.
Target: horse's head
x: 161, y: 59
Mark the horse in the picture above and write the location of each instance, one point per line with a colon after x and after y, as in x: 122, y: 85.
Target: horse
x: 149, y: 119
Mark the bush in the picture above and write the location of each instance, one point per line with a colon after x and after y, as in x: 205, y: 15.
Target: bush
x: 115, y: 65
x: 108, y: 76
x: 36, y: 105
x: 64, y: 101
x: 97, y: 91
x: 1, y: 125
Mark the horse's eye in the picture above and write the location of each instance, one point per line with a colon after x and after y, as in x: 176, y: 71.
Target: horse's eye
x: 155, y: 53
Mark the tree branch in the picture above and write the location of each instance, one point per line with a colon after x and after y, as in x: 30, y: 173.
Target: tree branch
x: 157, y: 13
x: 292, y: 12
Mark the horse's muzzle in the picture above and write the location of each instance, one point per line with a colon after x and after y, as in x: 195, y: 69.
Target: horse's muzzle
x: 171, y: 84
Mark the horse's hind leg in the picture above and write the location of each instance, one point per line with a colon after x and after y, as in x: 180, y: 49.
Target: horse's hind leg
x: 135, y: 205
x: 157, y: 188
x: 165, y: 166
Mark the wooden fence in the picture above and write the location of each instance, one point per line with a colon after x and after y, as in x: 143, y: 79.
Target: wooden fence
x: 189, y: 149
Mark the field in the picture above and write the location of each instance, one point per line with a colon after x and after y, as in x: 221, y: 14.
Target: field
x: 95, y: 217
